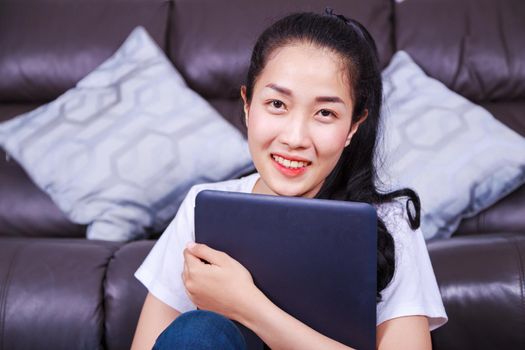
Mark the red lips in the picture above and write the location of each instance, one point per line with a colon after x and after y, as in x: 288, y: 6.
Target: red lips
x: 289, y: 172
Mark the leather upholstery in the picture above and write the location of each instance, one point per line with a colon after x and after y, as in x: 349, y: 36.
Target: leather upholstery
x: 211, y: 41
x: 27, y: 211
x: 475, y: 47
x: 63, y: 293
x: 482, y: 283
x: 42, y: 54
x: 214, y: 57
x: 509, y: 113
x: 86, y: 287
x: 505, y: 216
x: 123, y: 294
x: 51, y: 292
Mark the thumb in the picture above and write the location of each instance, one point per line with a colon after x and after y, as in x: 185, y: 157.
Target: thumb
x: 202, y: 251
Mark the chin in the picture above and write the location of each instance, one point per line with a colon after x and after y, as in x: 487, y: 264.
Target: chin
x: 290, y: 190
x: 289, y: 193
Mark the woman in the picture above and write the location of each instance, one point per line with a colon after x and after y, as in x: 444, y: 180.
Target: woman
x: 311, y: 104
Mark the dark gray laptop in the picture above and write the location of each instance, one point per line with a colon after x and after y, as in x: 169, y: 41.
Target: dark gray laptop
x: 315, y: 259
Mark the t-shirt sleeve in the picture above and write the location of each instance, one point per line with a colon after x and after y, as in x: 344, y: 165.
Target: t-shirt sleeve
x: 162, y: 269
x: 413, y: 289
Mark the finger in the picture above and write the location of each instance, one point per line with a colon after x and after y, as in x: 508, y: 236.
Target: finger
x: 184, y: 273
x: 188, y: 275
x: 185, y: 276
x: 190, y: 259
x: 202, y: 251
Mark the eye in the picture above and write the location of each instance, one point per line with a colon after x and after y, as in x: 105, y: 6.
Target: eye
x: 277, y: 104
x: 326, y: 113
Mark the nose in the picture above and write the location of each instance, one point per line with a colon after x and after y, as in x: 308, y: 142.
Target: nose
x: 294, y: 132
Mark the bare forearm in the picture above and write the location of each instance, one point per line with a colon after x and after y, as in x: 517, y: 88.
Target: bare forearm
x: 280, y: 330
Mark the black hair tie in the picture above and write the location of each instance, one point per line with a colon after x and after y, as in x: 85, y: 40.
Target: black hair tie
x: 330, y: 12
x: 358, y: 28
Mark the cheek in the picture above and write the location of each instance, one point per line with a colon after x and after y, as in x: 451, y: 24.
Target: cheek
x: 262, y: 129
x: 331, y: 141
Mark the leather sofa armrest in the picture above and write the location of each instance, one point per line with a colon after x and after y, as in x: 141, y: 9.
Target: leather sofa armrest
x: 88, y: 289
x: 481, y: 279
x: 51, y: 293
x: 69, y: 293
x: 123, y: 294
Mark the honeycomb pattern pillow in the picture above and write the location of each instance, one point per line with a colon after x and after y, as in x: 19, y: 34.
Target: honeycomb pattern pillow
x: 454, y: 153
x: 120, y: 150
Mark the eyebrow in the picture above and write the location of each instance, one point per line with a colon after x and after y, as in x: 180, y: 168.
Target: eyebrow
x: 333, y: 99
x: 288, y: 92
x: 280, y: 89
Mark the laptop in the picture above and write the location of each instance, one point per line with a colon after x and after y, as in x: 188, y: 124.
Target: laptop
x: 314, y: 258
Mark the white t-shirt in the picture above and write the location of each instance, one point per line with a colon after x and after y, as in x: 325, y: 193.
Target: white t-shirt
x: 412, y: 291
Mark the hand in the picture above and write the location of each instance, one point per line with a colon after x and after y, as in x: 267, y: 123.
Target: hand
x: 223, y: 286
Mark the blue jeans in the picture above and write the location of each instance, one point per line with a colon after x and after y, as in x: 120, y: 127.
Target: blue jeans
x: 201, y: 330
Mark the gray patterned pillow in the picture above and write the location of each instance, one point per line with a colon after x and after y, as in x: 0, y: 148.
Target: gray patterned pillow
x: 120, y: 150
x: 455, y: 154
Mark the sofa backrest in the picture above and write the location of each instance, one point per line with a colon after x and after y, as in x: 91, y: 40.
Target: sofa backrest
x: 211, y: 41
x: 475, y: 47
x: 47, y: 46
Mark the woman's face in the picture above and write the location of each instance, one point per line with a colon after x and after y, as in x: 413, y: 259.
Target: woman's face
x: 299, y: 120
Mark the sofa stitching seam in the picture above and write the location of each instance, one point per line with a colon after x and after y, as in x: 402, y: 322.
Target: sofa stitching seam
x: 168, y: 30
x: 5, y: 291
x: 104, y: 295
x: 393, y: 23
x: 521, y: 276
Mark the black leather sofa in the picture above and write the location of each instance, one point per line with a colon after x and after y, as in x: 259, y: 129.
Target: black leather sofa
x: 61, y: 291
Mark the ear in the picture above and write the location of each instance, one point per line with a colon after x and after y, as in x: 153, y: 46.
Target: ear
x: 246, y: 105
x: 355, y: 126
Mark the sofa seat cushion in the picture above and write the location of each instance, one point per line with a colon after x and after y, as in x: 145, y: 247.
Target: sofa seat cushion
x: 510, y: 113
x: 507, y: 215
x: 26, y: 210
x: 11, y: 110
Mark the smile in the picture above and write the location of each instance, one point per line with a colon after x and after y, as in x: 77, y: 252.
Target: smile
x: 290, y: 164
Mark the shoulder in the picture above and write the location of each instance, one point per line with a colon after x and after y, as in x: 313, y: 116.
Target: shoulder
x: 244, y: 184
x: 408, y: 242
x: 413, y: 289
x: 235, y: 185
x: 394, y: 216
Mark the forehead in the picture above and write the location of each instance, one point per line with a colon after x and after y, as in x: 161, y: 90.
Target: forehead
x: 304, y: 66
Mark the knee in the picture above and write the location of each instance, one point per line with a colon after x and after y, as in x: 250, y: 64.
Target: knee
x: 201, y: 329
x: 199, y: 318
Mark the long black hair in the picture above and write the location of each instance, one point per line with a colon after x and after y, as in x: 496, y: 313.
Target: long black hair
x: 354, y: 178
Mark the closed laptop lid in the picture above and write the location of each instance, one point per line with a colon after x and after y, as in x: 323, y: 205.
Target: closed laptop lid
x: 314, y: 258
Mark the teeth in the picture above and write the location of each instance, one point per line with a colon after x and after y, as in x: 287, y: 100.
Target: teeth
x: 289, y: 163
